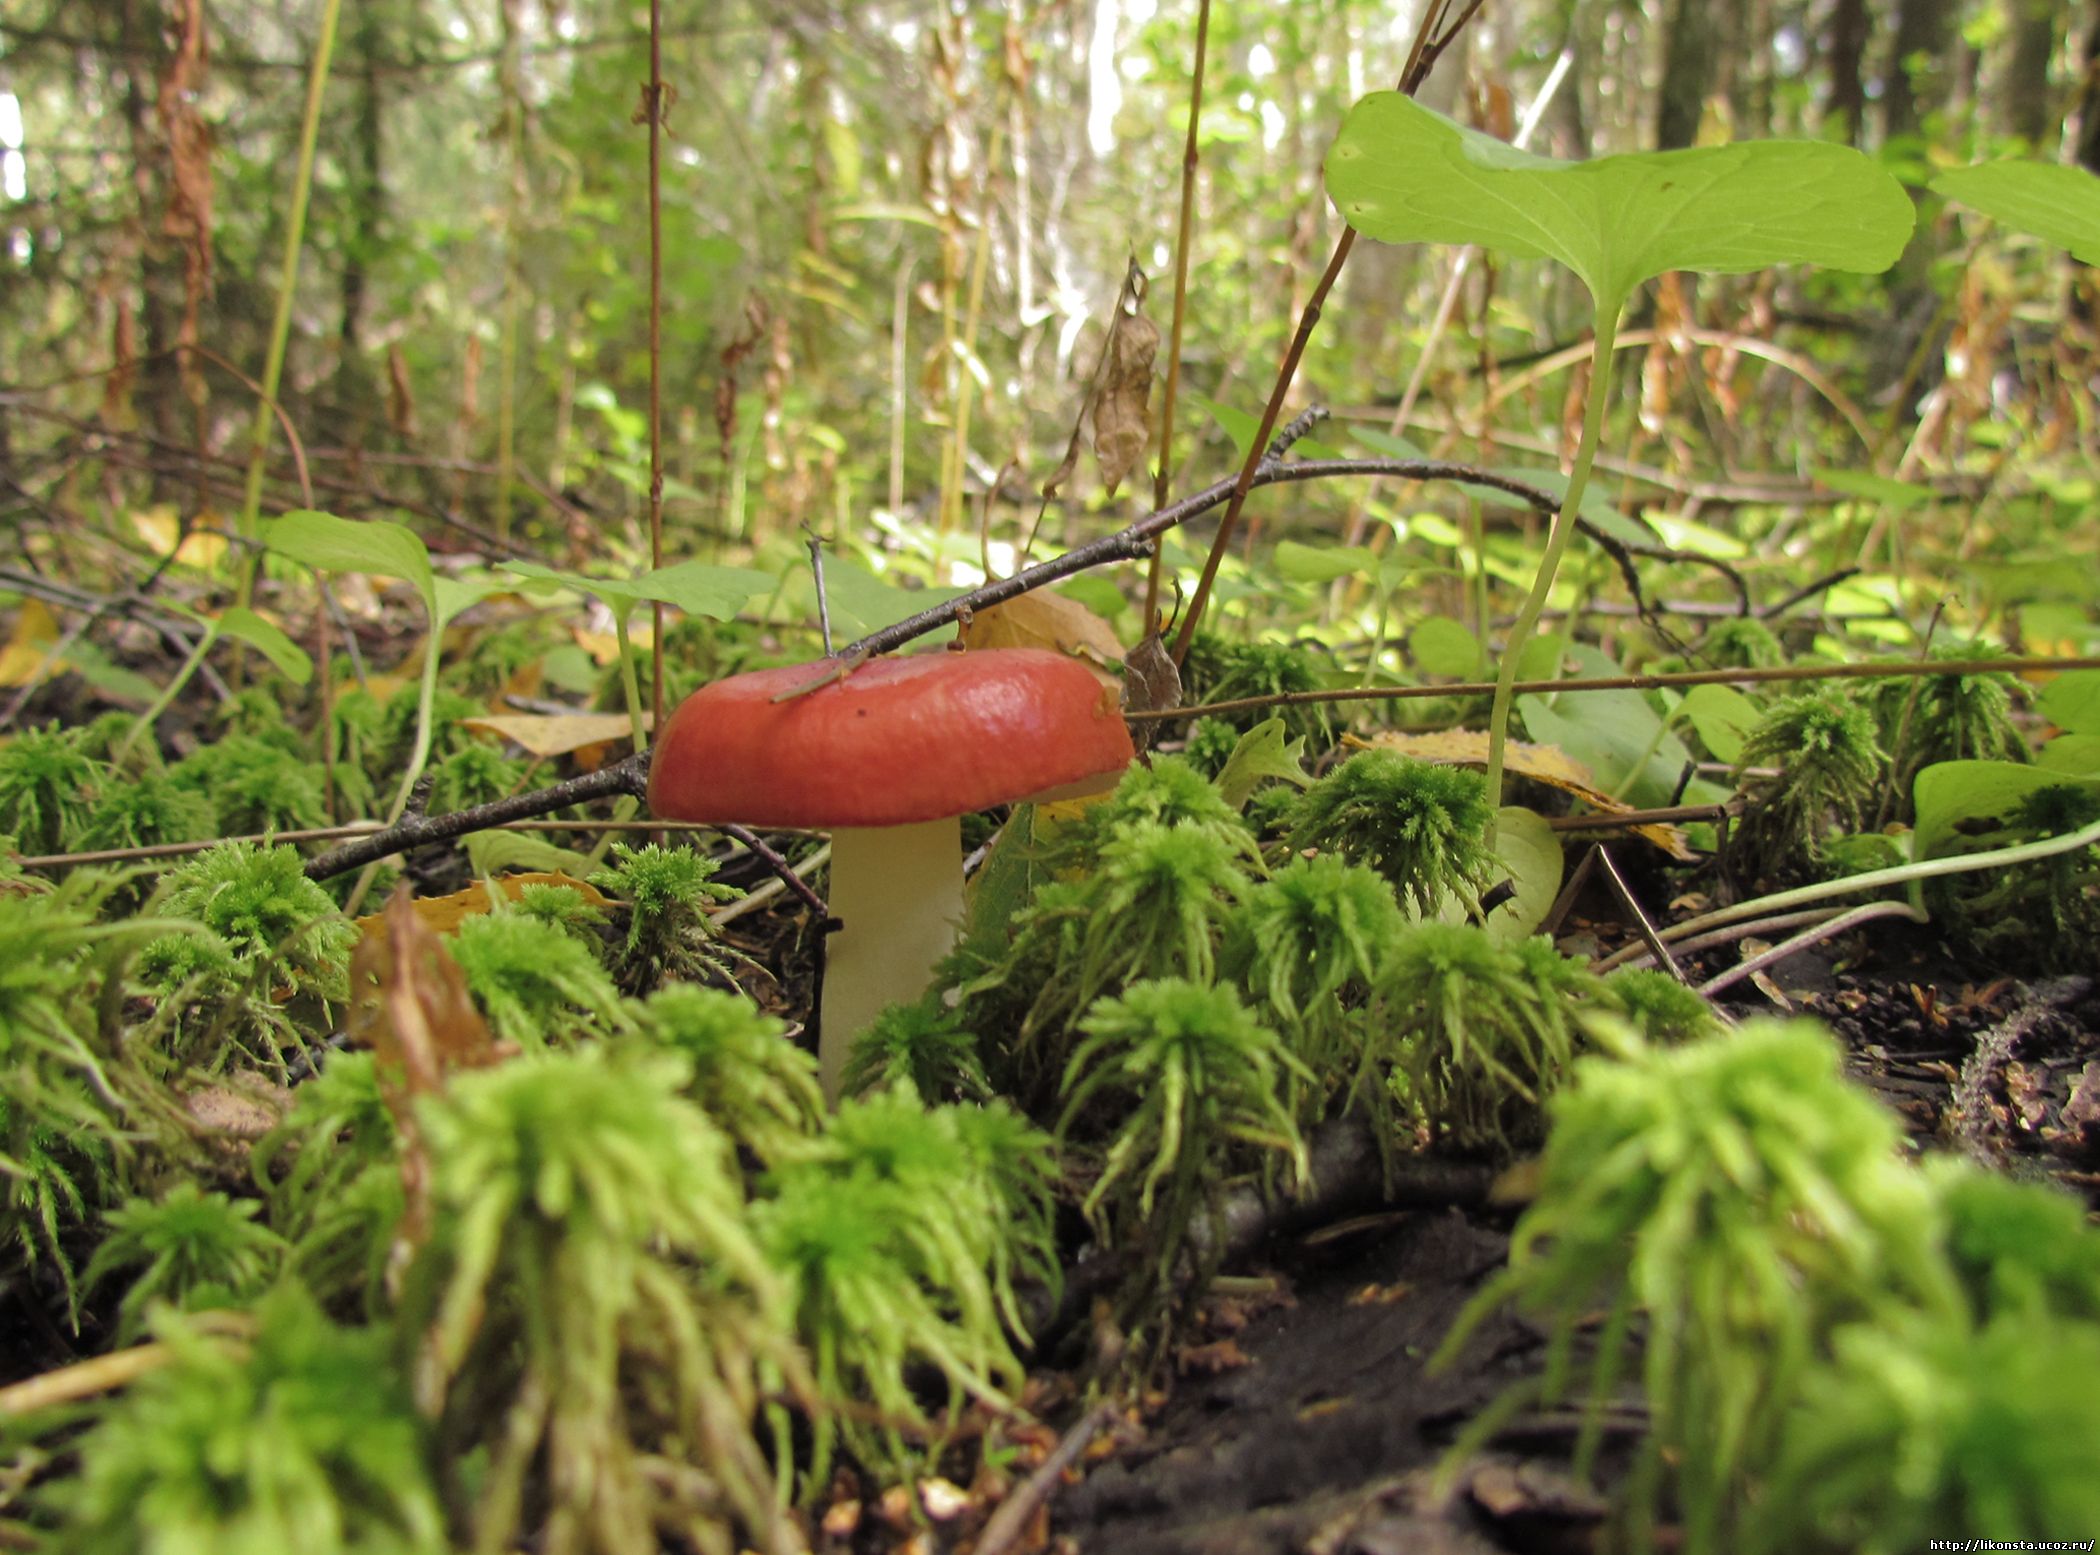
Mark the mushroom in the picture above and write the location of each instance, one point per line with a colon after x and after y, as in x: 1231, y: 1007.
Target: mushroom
x: 888, y: 759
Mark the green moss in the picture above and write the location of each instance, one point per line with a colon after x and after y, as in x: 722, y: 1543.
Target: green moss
x: 536, y: 984
x: 1424, y: 827
x: 191, y: 1249
x: 1830, y: 766
x: 48, y: 788
x: 755, y: 1084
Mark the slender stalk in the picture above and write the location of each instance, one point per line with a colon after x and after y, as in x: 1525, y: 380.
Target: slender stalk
x: 169, y: 692
x: 426, y: 694
x: 1191, y: 158
x: 287, y: 284
x: 630, y: 688
x: 973, y: 313
x: 1557, y: 540
x: 654, y: 99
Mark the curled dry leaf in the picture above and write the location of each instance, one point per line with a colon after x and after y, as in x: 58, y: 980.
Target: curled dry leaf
x: 1151, y: 683
x: 442, y: 914
x: 556, y: 734
x: 1042, y: 619
x: 1122, y: 410
x: 409, y: 1004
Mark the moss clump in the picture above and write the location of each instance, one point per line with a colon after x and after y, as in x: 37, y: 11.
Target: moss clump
x: 48, y: 788
x: 924, y: 1046
x: 1422, y: 826
x: 669, y: 935
x: 757, y: 1086
x: 191, y: 1249
x: 1830, y: 766
x: 536, y: 984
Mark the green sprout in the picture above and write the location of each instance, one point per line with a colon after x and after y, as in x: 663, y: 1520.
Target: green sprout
x: 757, y: 1086
x: 48, y: 788
x: 191, y: 1249
x: 332, y: 1180
x: 669, y: 935
x: 1478, y: 1034
x: 1829, y: 766
x: 898, y: 1232
x: 1183, y: 1079
x: 538, y: 985
x: 1306, y: 945
x: 923, y: 1045
x: 591, y: 1300
x: 1921, y: 1423
x: 303, y: 1439
x: 1422, y: 826
x: 1745, y: 1199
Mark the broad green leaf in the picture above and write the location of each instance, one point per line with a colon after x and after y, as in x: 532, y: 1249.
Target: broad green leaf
x: 1897, y: 496
x: 331, y: 544
x: 1002, y: 886
x: 503, y: 852
x: 1261, y: 753
x: 2074, y: 755
x: 1442, y: 646
x: 1235, y: 423
x: 1615, y: 734
x: 1096, y: 593
x: 694, y: 587
x: 109, y: 677
x: 2072, y: 702
x: 1322, y: 563
x: 453, y: 595
x: 1386, y: 443
x: 863, y: 603
x: 267, y: 639
x: 1405, y: 174
x: 1723, y: 717
x: 1952, y: 794
x: 2058, y: 204
x: 1529, y: 850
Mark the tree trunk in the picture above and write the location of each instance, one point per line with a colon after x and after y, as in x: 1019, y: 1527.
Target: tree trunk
x: 1692, y: 55
x: 1917, y: 64
x: 1850, y: 27
x: 2025, y: 105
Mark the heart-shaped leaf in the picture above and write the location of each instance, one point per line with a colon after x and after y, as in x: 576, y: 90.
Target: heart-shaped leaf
x: 1404, y: 174
x: 2057, y: 204
x: 1261, y: 753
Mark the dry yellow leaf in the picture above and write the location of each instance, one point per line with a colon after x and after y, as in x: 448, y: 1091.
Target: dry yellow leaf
x: 34, y: 633
x: 444, y: 914
x: 604, y: 647
x: 161, y: 528
x: 555, y: 734
x: 1547, y: 764
x: 1045, y: 620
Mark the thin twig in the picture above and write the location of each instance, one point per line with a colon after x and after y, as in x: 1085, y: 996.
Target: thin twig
x: 1641, y: 925
x: 1835, y: 925
x: 1009, y: 1524
x: 781, y: 868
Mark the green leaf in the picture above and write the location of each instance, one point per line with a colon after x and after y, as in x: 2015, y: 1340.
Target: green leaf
x: 865, y: 603
x: 452, y: 595
x: 1951, y: 795
x: 502, y: 852
x: 1723, y: 717
x: 1322, y: 563
x: 2075, y: 755
x: 1613, y: 733
x: 330, y: 544
x: 694, y: 587
x: 1596, y: 509
x: 1261, y: 753
x: 1386, y: 443
x: 1897, y: 496
x: 1096, y: 593
x: 2072, y: 702
x: 1236, y: 424
x: 1529, y: 850
x: 286, y: 656
x: 2058, y: 204
x: 1404, y: 174
x: 1442, y: 646
x: 1002, y: 886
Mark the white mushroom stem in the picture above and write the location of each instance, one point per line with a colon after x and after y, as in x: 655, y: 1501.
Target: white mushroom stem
x: 899, y: 892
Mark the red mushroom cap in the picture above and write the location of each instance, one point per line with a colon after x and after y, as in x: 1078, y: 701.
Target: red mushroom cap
x: 897, y: 741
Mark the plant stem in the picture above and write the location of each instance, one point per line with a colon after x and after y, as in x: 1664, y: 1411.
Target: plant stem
x: 1556, y: 545
x: 287, y: 284
x: 630, y: 687
x: 173, y: 689
x: 426, y: 695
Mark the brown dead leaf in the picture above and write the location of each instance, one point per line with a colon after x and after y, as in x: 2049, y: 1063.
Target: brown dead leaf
x: 1220, y: 1355
x: 1547, y: 764
x: 409, y: 1004
x: 443, y: 914
x: 1122, y: 412
x: 555, y: 734
x: 1151, y: 683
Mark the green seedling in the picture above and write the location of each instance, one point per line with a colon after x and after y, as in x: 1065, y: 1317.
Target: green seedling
x: 1744, y: 1200
x: 332, y: 1179
x: 669, y: 935
x: 924, y: 1046
x: 536, y: 984
x: 1830, y: 766
x: 898, y: 1232
x: 1176, y: 1084
x: 48, y: 788
x: 757, y: 1086
x: 1475, y: 1035
x: 301, y: 1438
x: 1402, y: 173
x: 1422, y: 826
x: 588, y: 1231
x: 190, y: 1249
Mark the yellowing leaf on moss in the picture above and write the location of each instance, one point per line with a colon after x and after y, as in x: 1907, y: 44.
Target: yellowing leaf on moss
x: 1042, y: 619
x: 35, y: 631
x: 1547, y: 764
x: 444, y: 914
x: 555, y: 734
